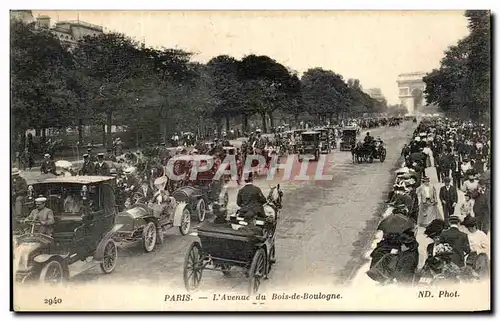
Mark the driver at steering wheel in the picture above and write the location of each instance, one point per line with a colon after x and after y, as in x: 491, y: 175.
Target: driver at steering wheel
x: 251, y: 200
x: 43, y: 215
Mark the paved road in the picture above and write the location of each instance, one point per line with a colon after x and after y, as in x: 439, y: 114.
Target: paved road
x: 321, y: 236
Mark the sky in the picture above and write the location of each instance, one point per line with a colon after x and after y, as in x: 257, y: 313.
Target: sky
x: 372, y: 46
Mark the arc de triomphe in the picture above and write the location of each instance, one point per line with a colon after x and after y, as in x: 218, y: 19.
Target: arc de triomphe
x: 411, y: 90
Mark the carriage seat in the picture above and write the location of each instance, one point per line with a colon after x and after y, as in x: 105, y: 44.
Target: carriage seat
x: 226, y: 230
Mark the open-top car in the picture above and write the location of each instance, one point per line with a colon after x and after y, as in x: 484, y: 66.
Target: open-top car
x: 310, y: 146
x: 84, y: 223
x: 147, y: 220
x: 202, y: 190
x: 348, y: 139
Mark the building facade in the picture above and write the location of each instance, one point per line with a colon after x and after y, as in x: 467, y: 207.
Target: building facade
x: 68, y: 32
x: 411, y: 91
x: 376, y: 94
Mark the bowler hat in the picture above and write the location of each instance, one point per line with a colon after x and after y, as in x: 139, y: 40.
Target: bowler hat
x: 454, y: 219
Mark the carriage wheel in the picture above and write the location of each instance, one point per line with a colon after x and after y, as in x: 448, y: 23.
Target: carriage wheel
x: 149, y: 237
x: 185, y: 222
x: 201, y: 210
x: 226, y: 199
x: 257, y: 271
x: 52, y: 273
x: 193, y: 267
x: 109, y: 258
x: 271, y: 261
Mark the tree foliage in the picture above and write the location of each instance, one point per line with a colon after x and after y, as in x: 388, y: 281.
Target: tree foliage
x: 462, y: 83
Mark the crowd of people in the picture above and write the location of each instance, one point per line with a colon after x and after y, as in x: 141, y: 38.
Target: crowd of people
x: 458, y: 228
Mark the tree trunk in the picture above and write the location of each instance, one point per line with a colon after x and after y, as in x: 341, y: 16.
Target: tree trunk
x: 245, y: 123
x: 227, y: 124
x: 218, y: 124
x: 109, y: 123
x: 271, y: 120
x: 264, y: 125
x: 80, y: 132
x: 296, y: 120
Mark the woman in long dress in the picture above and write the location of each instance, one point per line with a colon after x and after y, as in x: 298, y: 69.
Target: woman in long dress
x: 428, y: 210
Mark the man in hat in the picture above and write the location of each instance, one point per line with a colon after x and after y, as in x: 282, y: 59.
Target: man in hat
x: 101, y: 168
x: 471, y: 184
x: 250, y: 199
x: 42, y: 215
x: 109, y: 155
x: 89, y: 152
x: 457, y: 240
x: 482, y: 206
x: 449, y: 198
x: 19, y: 191
x: 456, y: 170
x: 88, y: 167
x: 48, y: 165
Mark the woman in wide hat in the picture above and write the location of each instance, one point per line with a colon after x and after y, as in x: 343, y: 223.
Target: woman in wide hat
x: 428, y: 210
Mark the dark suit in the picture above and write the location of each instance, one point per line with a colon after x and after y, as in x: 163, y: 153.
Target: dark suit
x: 459, y: 242
x: 250, y: 200
x: 48, y: 166
x: 102, y: 169
x: 482, y: 211
x: 446, y: 165
x: 448, y: 197
x: 456, y: 173
x: 88, y: 168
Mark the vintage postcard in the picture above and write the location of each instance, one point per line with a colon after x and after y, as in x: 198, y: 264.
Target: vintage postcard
x: 250, y: 160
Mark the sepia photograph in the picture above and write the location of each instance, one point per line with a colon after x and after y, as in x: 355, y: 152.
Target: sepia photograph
x: 176, y: 160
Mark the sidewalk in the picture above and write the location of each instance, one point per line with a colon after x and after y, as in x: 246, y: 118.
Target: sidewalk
x: 361, y: 278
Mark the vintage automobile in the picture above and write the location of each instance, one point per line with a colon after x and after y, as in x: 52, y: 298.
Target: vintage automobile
x: 233, y: 243
x: 310, y: 146
x: 201, y: 191
x: 147, y: 222
x: 348, y: 139
x: 84, y: 213
x: 324, y: 141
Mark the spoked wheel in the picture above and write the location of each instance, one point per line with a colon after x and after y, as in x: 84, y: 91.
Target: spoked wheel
x: 226, y: 199
x: 185, y: 222
x: 52, y: 273
x: 272, y: 260
x: 149, y: 237
x: 383, y: 154
x: 257, y: 271
x: 110, y: 257
x: 193, y: 267
x: 201, y: 210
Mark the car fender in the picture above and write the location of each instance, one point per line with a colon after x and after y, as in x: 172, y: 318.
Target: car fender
x: 179, y: 209
x: 42, y: 258
x: 99, y: 252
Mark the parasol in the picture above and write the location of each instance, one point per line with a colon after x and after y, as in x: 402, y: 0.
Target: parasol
x: 63, y: 164
x: 395, y: 223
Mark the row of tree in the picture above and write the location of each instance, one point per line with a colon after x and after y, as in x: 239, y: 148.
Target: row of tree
x: 462, y: 84
x: 109, y: 79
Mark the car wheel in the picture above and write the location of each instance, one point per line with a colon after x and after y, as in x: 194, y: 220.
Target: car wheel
x: 149, y: 237
x: 185, y: 222
x: 110, y: 257
x: 201, y: 210
x: 52, y: 273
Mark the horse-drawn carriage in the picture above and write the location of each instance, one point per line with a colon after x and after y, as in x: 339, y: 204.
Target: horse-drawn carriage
x: 368, y: 151
x: 348, y: 139
x: 236, y: 243
x: 80, y: 231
